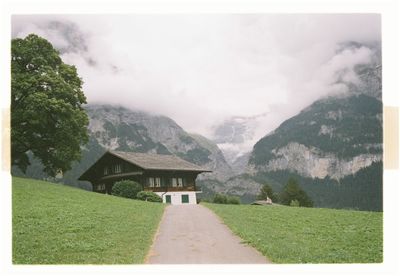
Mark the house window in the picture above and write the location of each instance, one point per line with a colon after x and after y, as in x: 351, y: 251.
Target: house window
x: 177, y: 182
x: 180, y: 182
x: 105, y: 170
x: 151, y: 182
x: 117, y: 168
x: 158, y: 181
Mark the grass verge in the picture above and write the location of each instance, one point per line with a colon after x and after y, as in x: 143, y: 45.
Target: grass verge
x: 306, y: 235
x: 57, y: 224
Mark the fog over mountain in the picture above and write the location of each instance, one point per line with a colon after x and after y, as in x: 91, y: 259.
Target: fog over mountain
x: 236, y: 135
x: 209, y: 71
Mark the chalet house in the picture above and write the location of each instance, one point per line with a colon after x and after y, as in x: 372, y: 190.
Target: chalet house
x: 172, y: 178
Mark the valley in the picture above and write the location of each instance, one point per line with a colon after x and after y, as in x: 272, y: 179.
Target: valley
x: 329, y: 147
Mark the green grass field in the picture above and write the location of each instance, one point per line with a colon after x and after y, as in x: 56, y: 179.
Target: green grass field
x: 57, y: 224
x: 306, y: 235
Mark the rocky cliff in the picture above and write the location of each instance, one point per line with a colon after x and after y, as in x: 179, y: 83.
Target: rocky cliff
x: 333, y: 138
x: 119, y: 128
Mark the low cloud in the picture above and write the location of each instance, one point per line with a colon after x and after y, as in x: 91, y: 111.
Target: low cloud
x: 202, y: 69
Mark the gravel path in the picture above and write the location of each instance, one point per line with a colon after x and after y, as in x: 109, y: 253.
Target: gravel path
x: 193, y: 234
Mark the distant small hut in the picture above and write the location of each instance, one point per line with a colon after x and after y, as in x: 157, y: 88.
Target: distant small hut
x: 169, y: 176
x: 263, y: 202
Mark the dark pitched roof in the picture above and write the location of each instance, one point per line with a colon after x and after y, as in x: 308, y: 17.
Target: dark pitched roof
x: 158, y: 161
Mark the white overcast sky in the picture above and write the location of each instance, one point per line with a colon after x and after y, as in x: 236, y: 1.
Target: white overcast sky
x: 202, y: 69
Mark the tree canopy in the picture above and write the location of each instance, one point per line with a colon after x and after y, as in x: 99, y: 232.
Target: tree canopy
x: 267, y: 192
x: 47, y: 118
x: 292, y: 192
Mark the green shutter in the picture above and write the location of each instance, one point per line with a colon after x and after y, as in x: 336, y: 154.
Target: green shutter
x: 167, y: 199
x: 185, y: 198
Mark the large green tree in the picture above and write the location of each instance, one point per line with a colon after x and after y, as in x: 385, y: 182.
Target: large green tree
x: 292, y: 191
x: 47, y: 118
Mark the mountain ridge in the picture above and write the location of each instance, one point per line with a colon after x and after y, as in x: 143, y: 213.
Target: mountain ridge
x: 127, y: 130
x: 333, y: 131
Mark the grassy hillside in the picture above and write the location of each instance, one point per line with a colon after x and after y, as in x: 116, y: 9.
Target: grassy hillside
x: 307, y: 235
x: 56, y: 224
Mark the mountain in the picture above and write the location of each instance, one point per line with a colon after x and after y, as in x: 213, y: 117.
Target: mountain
x: 334, y: 137
x: 329, y: 147
x: 235, y: 130
x: 368, y: 76
x: 118, y: 128
x: 235, y: 137
x: 333, y: 147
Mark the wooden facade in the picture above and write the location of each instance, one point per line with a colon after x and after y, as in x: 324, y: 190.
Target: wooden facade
x: 157, y: 173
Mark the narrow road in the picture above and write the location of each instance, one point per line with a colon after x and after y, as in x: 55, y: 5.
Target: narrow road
x: 193, y: 234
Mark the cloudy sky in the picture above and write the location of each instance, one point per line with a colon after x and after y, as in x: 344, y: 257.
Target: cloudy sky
x: 203, y: 69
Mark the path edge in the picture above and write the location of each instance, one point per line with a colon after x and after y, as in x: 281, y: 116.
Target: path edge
x: 156, y: 234
x: 268, y: 260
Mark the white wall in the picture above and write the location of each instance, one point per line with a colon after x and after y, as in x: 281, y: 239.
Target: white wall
x: 176, y: 197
